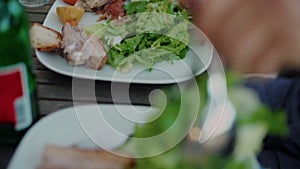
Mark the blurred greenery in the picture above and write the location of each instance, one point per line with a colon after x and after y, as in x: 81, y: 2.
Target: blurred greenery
x: 253, y: 122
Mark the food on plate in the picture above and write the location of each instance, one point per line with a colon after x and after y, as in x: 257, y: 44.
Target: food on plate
x: 44, y: 38
x: 143, y: 32
x: 70, y: 2
x: 92, y: 5
x: 154, y: 31
x: 113, y: 10
x: 108, y: 9
x: 79, y: 48
x: 73, y: 44
x: 57, y: 157
x: 70, y: 14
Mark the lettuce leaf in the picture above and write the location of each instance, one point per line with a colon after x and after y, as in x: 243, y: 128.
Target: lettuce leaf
x: 157, y: 32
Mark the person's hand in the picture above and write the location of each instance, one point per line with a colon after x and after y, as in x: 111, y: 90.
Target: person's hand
x: 251, y: 35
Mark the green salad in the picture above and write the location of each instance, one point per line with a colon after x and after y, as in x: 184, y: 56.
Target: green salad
x: 153, y: 31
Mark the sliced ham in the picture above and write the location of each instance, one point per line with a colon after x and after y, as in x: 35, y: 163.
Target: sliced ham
x: 91, y: 5
x: 56, y: 157
x: 79, y: 48
x: 114, y: 10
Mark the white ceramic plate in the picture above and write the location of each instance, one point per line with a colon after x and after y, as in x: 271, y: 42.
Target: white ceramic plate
x: 162, y: 73
x: 63, y: 128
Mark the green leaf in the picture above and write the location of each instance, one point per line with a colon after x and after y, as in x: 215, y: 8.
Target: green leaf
x: 166, y: 36
x: 135, y: 7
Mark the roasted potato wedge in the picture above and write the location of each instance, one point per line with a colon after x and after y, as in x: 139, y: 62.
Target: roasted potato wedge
x: 70, y: 14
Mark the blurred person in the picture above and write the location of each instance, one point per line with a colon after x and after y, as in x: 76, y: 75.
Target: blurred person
x: 252, y: 36
x: 260, y: 36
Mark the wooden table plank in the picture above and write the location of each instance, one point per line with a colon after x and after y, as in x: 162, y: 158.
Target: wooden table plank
x: 49, y: 106
x: 6, y: 151
x: 38, y: 14
x: 37, y: 64
x: 49, y: 77
x: 41, y: 9
x: 36, y: 18
x: 137, y: 95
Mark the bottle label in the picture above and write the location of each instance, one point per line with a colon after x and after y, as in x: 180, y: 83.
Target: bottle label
x: 15, y: 107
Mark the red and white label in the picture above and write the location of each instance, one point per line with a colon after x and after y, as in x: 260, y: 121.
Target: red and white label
x: 15, y: 107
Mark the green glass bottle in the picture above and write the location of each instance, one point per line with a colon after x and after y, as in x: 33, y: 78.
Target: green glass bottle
x: 18, y: 108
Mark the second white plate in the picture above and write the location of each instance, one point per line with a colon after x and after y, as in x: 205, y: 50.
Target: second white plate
x: 105, y: 123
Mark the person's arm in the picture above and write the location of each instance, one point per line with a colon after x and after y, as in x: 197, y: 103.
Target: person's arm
x: 251, y: 36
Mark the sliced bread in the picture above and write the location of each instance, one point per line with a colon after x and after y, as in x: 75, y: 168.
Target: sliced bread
x: 44, y: 38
